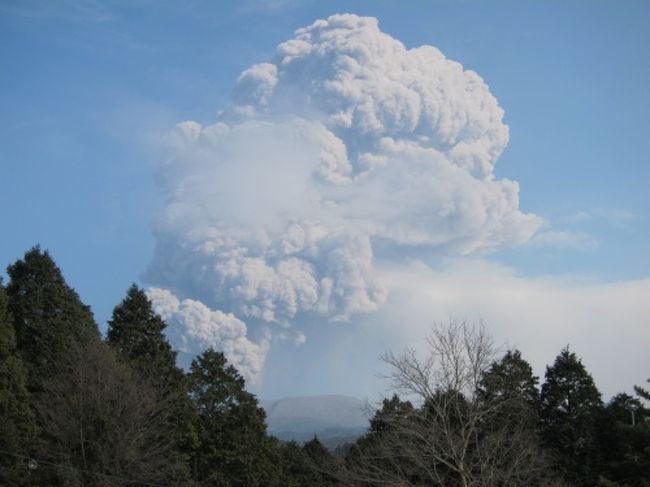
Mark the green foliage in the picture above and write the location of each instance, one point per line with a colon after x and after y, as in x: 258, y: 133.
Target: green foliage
x: 624, y: 441
x: 322, y: 462
x: 482, y: 436
x: 604, y: 482
x: 298, y: 468
x: 136, y: 333
x: 509, y: 379
x: 569, y: 407
x: 385, y: 418
x: 642, y: 393
x: 317, y: 451
x: 122, y: 413
x: 378, y: 455
x: 510, y: 387
x: 233, y: 449
x: 48, y: 315
x: 17, y: 425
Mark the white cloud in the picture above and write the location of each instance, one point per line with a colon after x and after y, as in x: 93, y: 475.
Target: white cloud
x: 193, y: 328
x: 343, y: 147
x: 603, y: 322
x: 564, y: 239
x: 611, y: 215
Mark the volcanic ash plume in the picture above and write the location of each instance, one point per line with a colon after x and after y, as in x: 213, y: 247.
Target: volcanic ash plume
x: 344, y: 149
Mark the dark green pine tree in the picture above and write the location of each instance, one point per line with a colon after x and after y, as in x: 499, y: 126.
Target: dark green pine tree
x: 511, y: 378
x: 322, y: 461
x: 233, y: 449
x: 508, y: 390
x: 624, y: 442
x: 511, y: 387
x: 393, y: 410
x: 570, y: 405
x: 17, y: 426
x: 642, y: 393
x: 379, y: 454
x: 136, y: 333
x: 298, y: 469
x: 48, y: 315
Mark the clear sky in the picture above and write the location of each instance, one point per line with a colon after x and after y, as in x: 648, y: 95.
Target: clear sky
x: 399, y: 232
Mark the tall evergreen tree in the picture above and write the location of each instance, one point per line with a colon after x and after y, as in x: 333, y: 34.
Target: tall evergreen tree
x: 48, y: 315
x: 385, y: 418
x: 379, y: 455
x: 136, y: 333
x: 17, y: 426
x: 509, y: 384
x: 511, y: 378
x: 234, y: 449
x: 624, y: 442
x: 298, y: 468
x: 322, y: 461
x: 569, y: 407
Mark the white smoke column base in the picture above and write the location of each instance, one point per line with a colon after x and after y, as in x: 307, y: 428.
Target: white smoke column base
x: 345, y: 146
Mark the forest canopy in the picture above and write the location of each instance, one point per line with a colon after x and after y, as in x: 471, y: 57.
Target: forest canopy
x: 79, y: 408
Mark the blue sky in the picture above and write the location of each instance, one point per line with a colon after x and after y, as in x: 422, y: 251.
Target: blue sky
x: 90, y: 90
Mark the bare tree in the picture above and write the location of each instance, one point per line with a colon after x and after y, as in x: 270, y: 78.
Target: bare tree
x: 455, y: 436
x: 104, y: 425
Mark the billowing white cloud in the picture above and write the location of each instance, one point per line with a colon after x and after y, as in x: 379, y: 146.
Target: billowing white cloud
x: 605, y: 323
x: 193, y: 327
x: 346, y: 145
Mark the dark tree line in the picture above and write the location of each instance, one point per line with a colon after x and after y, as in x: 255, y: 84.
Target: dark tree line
x: 482, y: 420
x: 77, y: 409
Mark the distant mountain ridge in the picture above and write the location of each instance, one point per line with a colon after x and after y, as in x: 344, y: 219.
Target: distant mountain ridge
x: 335, y: 419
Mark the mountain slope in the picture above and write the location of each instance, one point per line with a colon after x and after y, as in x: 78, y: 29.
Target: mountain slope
x: 335, y: 419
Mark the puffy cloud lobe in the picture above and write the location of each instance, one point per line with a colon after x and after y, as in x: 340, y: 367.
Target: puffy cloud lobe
x: 272, y: 279
x: 367, y: 85
x: 345, y: 144
x: 193, y: 327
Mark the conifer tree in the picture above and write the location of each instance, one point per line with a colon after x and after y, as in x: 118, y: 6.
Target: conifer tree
x: 17, y: 426
x: 298, y: 468
x: 569, y: 407
x: 48, y: 315
x: 322, y: 460
x: 136, y: 333
x: 387, y: 417
x: 624, y: 442
x: 510, y: 385
x: 234, y: 449
x: 642, y: 393
x: 378, y: 454
x: 511, y: 377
